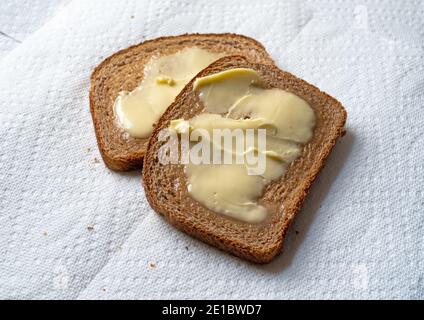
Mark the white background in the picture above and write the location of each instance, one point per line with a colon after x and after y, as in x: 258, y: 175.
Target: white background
x: 70, y: 228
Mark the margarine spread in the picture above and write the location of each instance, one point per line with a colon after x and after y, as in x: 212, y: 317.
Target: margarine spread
x: 235, y: 99
x: 164, y: 78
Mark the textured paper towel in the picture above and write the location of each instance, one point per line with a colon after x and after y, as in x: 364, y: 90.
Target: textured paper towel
x: 20, y: 18
x: 70, y: 228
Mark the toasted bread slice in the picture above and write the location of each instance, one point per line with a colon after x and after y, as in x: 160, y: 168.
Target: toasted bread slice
x: 166, y: 187
x: 124, y: 70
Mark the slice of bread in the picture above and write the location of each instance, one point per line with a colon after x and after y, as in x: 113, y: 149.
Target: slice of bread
x: 166, y: 185
x: 124, y: 70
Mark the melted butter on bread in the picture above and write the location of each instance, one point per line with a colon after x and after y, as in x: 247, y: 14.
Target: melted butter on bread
x: 235, y: 99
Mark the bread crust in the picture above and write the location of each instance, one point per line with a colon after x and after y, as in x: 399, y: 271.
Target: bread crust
x: 165, y: 185
x: 124, y: 70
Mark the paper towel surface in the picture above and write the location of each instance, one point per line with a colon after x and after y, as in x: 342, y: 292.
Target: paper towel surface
x: 20, y: 18
x: 70, y: 228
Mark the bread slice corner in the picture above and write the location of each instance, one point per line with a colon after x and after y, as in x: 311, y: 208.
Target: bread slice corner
x: 166, y: 185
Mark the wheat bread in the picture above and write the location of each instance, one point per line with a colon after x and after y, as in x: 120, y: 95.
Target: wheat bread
x: 166, y: 188
x: 123, y: 71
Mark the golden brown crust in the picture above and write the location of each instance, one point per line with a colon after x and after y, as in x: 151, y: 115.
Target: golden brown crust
x: 165, y: 185
x: 124, y: 71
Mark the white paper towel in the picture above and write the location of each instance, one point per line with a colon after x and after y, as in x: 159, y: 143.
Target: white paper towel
x: 20, y: 18
x: 70, y: 228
